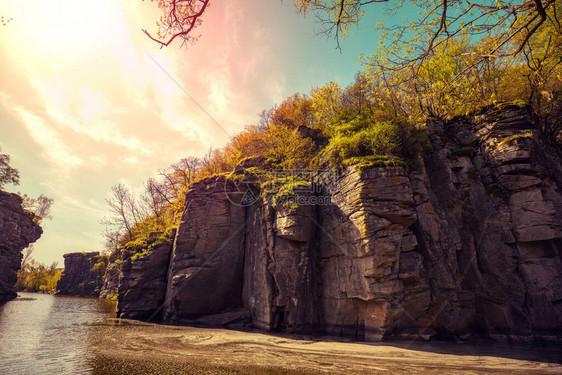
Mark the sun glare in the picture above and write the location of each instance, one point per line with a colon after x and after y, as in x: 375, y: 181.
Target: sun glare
x: 62, y: 27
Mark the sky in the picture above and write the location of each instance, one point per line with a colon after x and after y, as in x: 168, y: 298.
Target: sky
x: 87, y: 102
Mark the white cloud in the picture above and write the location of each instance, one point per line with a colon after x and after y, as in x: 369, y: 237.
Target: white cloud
x: 105, y: 113
x: 49, y: 140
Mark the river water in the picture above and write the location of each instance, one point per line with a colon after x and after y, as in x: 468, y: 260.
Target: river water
x: 44, y: 334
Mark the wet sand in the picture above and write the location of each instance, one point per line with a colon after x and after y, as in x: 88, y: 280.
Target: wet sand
x: 125, y: 347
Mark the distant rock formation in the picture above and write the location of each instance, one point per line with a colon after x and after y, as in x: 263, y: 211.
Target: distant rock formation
x: 470, y: 243
x: 83, y: 274
x: 17, y: 231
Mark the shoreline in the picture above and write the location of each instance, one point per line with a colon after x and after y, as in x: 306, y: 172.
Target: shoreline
x: 129, y: 344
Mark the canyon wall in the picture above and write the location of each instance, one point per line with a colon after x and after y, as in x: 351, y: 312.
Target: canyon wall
x: 83, y: 274
x: 468, y: 243
x: 17, y: 231
x: 143, y: 278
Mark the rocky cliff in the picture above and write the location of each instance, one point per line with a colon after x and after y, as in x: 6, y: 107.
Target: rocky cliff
x: 110, y: 285
x: 467, y: 244
x: 143, y: 279
x: 17, y: 231
x: 83, y: 274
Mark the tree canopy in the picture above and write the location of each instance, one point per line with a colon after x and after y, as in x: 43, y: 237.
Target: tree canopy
x: 448, y: 49
x: 510, y: 26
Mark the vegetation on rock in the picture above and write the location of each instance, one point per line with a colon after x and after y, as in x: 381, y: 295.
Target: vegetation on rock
x: 473, y: 58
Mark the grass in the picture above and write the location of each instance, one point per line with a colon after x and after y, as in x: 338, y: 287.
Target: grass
x: 508, y: 140
x: 143, y: 246
x: 285, y: 187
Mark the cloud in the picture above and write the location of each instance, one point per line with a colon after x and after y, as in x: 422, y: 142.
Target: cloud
x: 102, y: 111
x: 82, y: 109
x: 49, y: 140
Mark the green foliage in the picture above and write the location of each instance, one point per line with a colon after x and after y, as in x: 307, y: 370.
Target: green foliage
x: 100, y: 266
x: 374, y: 139
x: 281, y: 188
x: 379, y: 119
x: 38, y: 278
x: 508, y: 140
x: 145, y: 244
x: 373, y: 161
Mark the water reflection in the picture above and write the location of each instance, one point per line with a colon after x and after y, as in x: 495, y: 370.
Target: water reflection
x: 49, y: 334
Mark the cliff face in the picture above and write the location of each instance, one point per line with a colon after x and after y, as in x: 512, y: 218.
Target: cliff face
x: 470, y: 243
x: 17, y: 231
x: 142, y: 283
x: 110, y: 285
x: 489, y: 211
x: 83, y: 274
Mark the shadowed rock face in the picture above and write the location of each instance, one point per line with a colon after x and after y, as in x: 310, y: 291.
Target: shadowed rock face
x: 83, y: 274
x: 206, y: 267
x: 142, y: 284
x: 17, y: 231
x: 489, y: 227
x: 469, y: 243
x: 110, y: 285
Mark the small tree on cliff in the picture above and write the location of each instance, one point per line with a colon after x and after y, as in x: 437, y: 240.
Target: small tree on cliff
x: 8, y: 175
x: 40, y: 206
x: 124, y: 209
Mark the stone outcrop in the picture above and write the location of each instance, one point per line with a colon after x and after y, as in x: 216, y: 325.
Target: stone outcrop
x: 143, y: 280
x: 489, y: 225
x: 467, y: 244
x: 17, y: 231
x: 207, y: 263
x: 110, y: 285
x: 83, y: 274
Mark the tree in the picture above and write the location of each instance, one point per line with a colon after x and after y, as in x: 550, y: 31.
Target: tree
x: 8, y: 175
x: 498, y: 30
x: 180, y: 18
x: 112, y: 241
x: 511, y: 25
x: 27, y: 252
x: 125, y: 211
x: 40, y: 206
x: 36, y: 277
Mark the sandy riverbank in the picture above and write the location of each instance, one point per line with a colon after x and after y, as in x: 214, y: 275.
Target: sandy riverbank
x: 130, y: 347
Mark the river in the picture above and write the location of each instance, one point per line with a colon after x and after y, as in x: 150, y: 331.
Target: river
x: 41, y: 333
x: 44, y: 334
